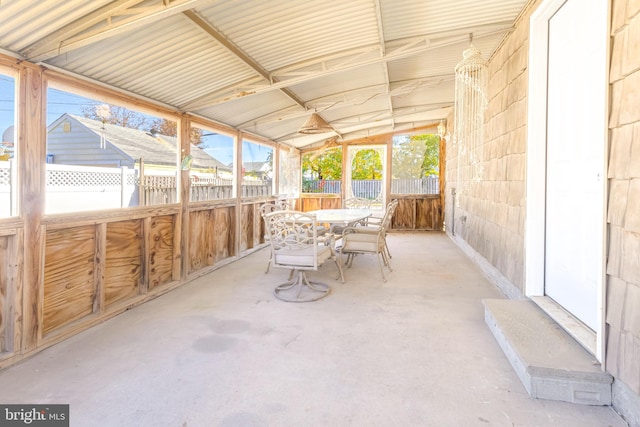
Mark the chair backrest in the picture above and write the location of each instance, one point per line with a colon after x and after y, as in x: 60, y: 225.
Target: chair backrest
x: 285, y: 204
x: 388, y: 215
x: 267, y: 208
x: 357, y: 203
x: 293, y: 233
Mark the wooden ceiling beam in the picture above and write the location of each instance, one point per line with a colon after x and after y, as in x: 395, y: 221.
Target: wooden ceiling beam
x: 238, y: 53
x: 100, y: 25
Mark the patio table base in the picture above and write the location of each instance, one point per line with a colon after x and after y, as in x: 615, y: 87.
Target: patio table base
x: 301, y: 289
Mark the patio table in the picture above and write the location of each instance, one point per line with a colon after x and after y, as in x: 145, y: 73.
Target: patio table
x: 340, y: 216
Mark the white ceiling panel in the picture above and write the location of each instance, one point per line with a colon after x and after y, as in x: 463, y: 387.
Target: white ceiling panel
x: 263, y: 66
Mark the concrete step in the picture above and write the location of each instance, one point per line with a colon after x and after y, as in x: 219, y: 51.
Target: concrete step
x: 548, y: 361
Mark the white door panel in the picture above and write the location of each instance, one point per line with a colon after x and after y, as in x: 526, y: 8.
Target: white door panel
x: 575, y: 153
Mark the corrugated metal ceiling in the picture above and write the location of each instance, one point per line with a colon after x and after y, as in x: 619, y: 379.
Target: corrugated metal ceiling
x: 262, y: 66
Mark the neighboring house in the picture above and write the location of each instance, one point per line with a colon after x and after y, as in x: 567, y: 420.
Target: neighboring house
x: 260, y: 170
x: 7, y: 145
x: 74, y: 140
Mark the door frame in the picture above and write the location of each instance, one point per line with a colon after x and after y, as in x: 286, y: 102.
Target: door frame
x: 593, y: 341
x: 348, y: 155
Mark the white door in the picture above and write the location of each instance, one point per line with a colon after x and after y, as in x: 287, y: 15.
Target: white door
x: 575, y: 150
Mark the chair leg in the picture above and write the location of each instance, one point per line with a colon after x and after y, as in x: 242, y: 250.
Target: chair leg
x: 381, y: 260
x: 340, y: 273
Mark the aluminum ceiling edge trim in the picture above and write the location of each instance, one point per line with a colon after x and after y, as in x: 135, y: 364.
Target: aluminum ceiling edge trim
x: 152, y: 102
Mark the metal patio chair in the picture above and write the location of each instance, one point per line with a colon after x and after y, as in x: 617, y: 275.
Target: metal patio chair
x: 370, y: 240
x: 295, y: 246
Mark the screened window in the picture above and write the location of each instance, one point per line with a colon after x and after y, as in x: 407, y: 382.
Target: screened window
x: 212, y: 168
x: 102, y: 156
x: 257, y: 169
x: 322, y: 171
x: 415, y: 164
x: 8, y: 172
x: 289, y: 173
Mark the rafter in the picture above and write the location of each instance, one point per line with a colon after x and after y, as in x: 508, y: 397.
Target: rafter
x: 346, y: 98
x: 374, y: 119
x: 237, y: 52
x: 346, y: 60
x: 382, y: 48
x: 107, y: 21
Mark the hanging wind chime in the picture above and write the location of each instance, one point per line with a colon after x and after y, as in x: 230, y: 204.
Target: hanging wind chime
x: 470, y: 106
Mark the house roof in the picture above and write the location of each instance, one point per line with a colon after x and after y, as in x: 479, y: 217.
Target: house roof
x: 263, y: 66
x: 154, y: 149
x: 253, y: 166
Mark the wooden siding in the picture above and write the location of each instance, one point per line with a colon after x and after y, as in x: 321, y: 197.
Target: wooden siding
x: 160, y: 250
x: 124, y: 261
x: 415, y: 212
x: 202, y: 243
x: 312, y: 203
x: 5, y: 274
x: 211, y: 237
x: 418, y: 213
x: 224, y: 237
x: 69, y: 280
x: 247, y: 228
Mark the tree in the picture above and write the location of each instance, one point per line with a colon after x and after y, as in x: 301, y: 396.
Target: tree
x: 431, y: 162
x: 415, y: 157
x: 119, y: 116
x: 326, y: 165
x: 366, y: 165
x: 170, y: 128
x: 124, y: 117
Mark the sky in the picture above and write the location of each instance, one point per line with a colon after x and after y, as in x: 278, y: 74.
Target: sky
x: 59, y: 102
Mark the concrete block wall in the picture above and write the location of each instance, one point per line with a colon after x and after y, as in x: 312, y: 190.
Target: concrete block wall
x: 623, y: 212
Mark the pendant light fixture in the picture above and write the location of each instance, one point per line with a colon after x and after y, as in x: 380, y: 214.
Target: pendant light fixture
x: 315, y: 125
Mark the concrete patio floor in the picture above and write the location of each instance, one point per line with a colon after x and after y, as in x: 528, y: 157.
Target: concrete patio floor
x: 222, y: 351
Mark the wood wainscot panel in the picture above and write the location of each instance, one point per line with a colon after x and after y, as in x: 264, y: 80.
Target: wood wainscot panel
x: 258, y: 226
x: 312, y: 203
x: 404, y: 216
x: 331, y: 203
x: 5, y: 274
x: 262, y: 226
x: 124, y: 260
x: 201, y: 242
x: 69, y: 279
x: 246, y: 227
x: 161, y: 250
x: 429, y: 213
x: 224, y: 232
